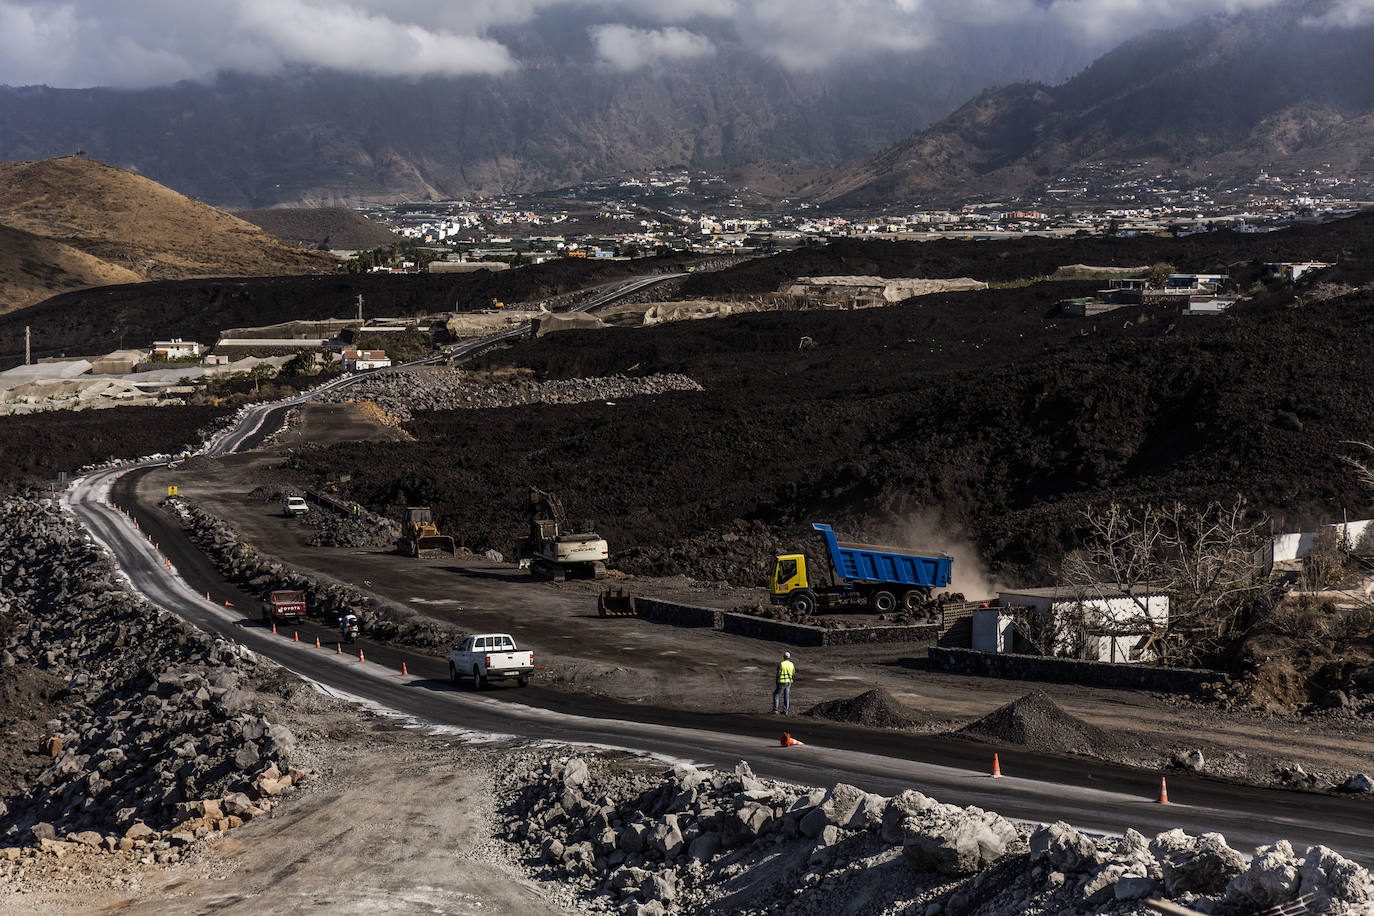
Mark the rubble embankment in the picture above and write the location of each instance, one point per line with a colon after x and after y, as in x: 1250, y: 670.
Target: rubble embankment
x: 401, y: 394
x: 693, y: 840
x: 242, y: 564
x: 162, y: 739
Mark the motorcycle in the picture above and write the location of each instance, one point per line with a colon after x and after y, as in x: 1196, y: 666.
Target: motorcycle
x: 348, y: 632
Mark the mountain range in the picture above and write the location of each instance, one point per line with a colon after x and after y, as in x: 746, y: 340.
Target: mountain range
x: 1227, y: 96
x: 320, y: 137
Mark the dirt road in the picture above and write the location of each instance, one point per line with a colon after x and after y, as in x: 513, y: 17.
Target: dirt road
x: 638, y: 662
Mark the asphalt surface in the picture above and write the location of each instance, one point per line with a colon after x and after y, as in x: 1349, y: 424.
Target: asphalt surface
x: 173, y: 574
x: 1038, y: 787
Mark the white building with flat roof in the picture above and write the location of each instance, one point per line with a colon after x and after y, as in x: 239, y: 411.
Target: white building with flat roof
x: 1106, y: 626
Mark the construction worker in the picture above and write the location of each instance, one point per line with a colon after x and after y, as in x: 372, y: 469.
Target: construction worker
x: 786, y: 673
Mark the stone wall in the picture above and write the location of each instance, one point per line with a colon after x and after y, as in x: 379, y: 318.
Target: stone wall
x: 794, y: 634
x: 1073, y: 671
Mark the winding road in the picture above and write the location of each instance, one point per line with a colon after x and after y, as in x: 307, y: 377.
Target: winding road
x: 173, y: 574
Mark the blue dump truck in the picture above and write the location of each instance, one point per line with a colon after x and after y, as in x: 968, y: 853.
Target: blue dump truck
x: 883, y: 578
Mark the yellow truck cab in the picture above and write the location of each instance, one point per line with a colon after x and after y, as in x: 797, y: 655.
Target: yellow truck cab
x: 789, y: 573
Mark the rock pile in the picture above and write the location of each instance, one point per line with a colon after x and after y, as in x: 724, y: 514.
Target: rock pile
x: 241, y: 563
x: 427, y: 388
x: 1036, y: 721
x: 877, y: 709
x: 693, y: 840
x: 163, y: 740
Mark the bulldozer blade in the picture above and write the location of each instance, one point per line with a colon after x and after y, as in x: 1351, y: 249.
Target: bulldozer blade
x: 434, y: 545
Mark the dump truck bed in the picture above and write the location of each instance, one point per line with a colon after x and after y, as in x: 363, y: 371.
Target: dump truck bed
x: 872, y: 563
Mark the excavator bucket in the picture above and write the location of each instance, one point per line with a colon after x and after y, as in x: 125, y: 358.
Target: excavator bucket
x: 615, y: 602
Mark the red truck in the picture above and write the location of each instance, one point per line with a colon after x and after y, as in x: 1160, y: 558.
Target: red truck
x: 283, y: 605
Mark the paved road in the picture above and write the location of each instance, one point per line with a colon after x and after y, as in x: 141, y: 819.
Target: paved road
x: 178, y: 578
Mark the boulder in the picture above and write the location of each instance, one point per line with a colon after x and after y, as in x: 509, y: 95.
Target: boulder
x: 869, y: 814
x: 1270, y: 879
x: 576, y: 773
x: 1064, y: 849
x: 746, y: 824
x: 1201, y: 865
x: 1135, y: 887
x: 959, y: 845
x: 835, y: 809
x: 898, y: 809
x: 704, y: 847
x: 1358, y: 783
x: 1329, y: 876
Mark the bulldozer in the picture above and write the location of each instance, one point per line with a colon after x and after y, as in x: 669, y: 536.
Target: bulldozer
x: 420, y: 537
x: 553, y: 554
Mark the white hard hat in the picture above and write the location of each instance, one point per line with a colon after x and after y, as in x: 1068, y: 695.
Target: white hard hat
x: 787, y: 655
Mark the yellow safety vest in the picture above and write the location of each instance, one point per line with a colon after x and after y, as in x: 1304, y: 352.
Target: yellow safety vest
x: 785, y: 671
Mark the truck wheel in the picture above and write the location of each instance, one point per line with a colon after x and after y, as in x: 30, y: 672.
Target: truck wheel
x: 523, y: 681
x: 915, y: 598
x: 883, y: 602
x: 802, y: 603
x: 476, y: 678
x: 452, y: 674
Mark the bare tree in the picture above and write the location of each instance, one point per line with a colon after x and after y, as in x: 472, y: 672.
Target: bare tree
x: 1364, y: 471
x: 1203, y: 559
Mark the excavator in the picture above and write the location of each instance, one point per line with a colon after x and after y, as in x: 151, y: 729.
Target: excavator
x: 552, y: 553
x: 420, y: 537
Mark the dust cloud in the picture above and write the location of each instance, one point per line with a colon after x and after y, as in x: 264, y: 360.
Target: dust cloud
x: 927, y: 533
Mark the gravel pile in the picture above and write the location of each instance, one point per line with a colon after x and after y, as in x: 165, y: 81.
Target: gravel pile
x: 877, y: 709
x: 698, y: 841
x: 1035, y: 721
x: 326, y: 601
x: 401, y: 394
x: 162, y: 740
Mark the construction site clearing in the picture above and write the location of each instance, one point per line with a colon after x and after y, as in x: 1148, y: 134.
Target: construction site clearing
x: 641, y: 662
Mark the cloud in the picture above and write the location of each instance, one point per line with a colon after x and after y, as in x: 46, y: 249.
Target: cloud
x: 626, y: 48
x: 79, y: 43
x: 75, y: 43
x: 1346, y: 14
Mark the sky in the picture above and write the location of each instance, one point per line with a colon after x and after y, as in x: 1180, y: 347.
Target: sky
x: 141, y: 43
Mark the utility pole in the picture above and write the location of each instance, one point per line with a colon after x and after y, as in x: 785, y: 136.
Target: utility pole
x: 360, y: 306
x: 28, y: 340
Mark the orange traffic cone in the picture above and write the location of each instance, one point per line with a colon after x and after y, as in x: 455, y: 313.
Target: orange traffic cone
x: 295, y: 636
x: 404, y: 672
x: 338, y: 649
x: 207, y: 596
x: 228, y: 604
x: 274, y: 628
x: 317, y: 642
x: 1163, y: 792
x: 789, y: 741
x: 360, y: 656
x: 996, y: 768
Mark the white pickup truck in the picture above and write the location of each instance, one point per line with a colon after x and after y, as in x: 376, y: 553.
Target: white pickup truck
x: 294, y: 506
x: 490, y: 656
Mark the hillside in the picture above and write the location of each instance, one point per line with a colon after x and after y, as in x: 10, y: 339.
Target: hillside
x: 1226, y: 96
x: 323, y: 137
x: 33, y: 268
x: 321, y: 227
x: 139, y: 225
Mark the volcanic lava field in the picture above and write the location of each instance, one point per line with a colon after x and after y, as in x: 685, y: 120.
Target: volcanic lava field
x: 983, y: 422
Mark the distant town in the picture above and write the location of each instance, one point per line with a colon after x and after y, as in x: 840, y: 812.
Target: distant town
x: 661, y: 210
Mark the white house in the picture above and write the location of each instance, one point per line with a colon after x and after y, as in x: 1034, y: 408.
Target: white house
x: 1293, y: 270
x: 1113, y: 626
x: 176, y: 348
x: 357, y: 360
